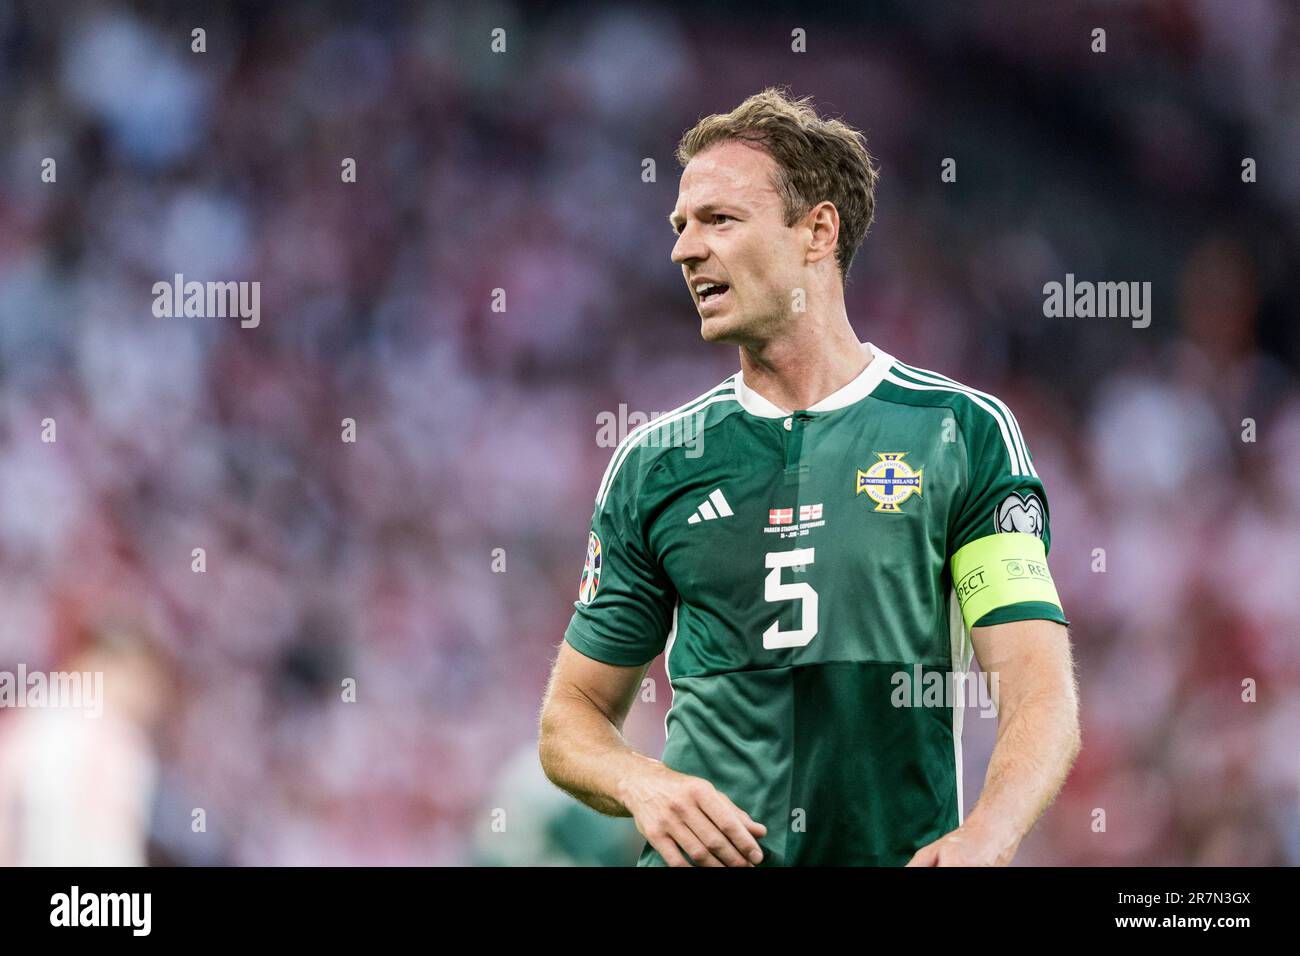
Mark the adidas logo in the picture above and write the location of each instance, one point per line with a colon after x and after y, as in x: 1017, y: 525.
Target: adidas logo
x: 715, y: 507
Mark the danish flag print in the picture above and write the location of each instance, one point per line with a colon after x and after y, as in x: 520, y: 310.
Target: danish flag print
x: 780, y: 516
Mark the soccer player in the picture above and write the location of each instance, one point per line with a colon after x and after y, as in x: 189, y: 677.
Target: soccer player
x: 845, y: 529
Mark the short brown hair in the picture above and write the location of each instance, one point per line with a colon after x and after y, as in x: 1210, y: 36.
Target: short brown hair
x: 817, y: 159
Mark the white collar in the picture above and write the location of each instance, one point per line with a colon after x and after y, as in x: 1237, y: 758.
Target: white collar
x: 854, y: 391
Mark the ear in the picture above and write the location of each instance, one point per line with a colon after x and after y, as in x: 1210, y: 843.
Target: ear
x: 823, y: 224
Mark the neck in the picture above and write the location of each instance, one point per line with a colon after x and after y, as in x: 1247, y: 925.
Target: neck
x: 808, y: 361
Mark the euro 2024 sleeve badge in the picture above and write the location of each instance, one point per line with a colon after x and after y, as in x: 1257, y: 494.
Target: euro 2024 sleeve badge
x: 590, y: 571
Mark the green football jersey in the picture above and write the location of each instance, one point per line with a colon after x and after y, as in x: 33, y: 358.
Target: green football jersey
x: 808, y: 574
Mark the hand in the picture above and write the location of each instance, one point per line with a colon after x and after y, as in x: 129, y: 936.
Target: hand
x: 968, y: 845
x: 678, y: 813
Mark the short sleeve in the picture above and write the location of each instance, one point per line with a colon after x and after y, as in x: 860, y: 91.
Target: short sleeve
x: 625, y: 603
x: 1002, y: 530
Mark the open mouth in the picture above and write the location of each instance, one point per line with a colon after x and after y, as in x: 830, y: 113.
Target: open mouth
x: 711, y: 291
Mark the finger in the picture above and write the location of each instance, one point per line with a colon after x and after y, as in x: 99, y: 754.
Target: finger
x: 693, y: 846
x: 758, y: 829
x: 667, y: 849
x: 926, y: 856
x: 717, y: 799
x: 714, y: 839
x: 735, y: 824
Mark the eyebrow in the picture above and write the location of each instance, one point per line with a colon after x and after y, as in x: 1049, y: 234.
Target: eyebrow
x: 704, y: 210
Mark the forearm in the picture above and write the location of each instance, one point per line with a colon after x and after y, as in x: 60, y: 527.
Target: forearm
x: 585, y: 755
x: 1037, y: 743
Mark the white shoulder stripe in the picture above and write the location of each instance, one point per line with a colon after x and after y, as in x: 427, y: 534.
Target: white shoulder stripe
x: 924, y: 375
x: 720, y: 393
x: 1012, y: 454
x: 632, y: 435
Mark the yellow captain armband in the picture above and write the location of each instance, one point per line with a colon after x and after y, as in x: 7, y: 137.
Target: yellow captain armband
x: 1001, y: 569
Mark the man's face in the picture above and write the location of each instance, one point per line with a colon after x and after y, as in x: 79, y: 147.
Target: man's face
x: 731, y: 232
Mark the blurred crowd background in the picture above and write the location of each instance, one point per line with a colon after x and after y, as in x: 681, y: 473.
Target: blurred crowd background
x: 476, y: 430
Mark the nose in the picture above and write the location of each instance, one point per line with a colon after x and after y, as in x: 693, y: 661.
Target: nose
x: 689, y: 247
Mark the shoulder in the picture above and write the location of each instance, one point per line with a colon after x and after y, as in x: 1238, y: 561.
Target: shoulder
x: 986, y: 422
x: 645, y: 445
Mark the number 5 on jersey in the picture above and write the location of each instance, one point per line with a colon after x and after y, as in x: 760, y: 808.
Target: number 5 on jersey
x: 775, y: 590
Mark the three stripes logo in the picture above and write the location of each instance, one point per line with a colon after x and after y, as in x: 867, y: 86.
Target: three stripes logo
x: 715, y: 507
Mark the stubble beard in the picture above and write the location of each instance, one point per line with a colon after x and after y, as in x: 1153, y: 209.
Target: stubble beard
x: 742, y: 328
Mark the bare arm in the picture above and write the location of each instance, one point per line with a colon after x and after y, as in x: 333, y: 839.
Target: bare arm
x: 581, y: 741
x: 583, y: 752
x: 1038, y: 740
